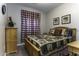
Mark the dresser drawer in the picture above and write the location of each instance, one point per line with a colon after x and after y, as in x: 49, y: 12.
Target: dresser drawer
x: 76, y: 50
x: 11, y: 46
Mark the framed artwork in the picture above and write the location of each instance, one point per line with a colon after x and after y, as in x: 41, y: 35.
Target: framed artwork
x: 56, y: 21
x: 66, y: 19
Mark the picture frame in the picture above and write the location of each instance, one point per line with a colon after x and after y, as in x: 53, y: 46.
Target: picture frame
x: 56, y: 21
x: 66, y: 19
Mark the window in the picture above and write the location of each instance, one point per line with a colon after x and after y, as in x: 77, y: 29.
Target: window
x: 30, y: 23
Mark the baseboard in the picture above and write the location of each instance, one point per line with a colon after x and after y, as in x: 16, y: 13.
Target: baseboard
x: 21, y: 44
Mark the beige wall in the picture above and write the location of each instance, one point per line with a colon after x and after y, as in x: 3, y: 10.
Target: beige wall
x: 64, y: 9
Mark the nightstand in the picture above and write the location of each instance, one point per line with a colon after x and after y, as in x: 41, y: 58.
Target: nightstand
x: 73, y: 48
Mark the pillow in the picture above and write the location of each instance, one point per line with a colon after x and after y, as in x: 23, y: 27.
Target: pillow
x: 63, y: 31
x: 69, y: 32
x: 51, y: 32
x: 58, y: 32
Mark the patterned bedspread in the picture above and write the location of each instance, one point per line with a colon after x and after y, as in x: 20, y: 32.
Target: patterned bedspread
x: 47, y: 43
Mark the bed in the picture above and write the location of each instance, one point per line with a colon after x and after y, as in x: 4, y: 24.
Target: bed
x: 53, y: 43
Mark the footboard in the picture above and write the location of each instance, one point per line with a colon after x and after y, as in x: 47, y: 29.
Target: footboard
x: 31, y: 49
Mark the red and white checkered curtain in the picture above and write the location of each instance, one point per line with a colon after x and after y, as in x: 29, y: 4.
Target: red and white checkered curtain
x: 30, y: 23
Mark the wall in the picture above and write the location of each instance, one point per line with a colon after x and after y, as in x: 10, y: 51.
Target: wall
x: 14, y: 10
x: 2, y: 31
x: 65, y: 9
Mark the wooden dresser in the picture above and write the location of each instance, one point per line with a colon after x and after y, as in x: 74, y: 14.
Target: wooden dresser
x: 11, y: 40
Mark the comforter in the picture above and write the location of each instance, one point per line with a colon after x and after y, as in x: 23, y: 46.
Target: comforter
x: 48, y: 43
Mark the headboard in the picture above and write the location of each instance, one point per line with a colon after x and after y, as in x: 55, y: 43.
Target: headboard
x: 63, y: 31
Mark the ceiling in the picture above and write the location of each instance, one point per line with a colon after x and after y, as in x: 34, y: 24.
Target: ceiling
x: 45, y: 7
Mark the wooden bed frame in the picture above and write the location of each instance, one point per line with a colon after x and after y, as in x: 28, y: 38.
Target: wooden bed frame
x: 34, y: 51
x: 31, y: 49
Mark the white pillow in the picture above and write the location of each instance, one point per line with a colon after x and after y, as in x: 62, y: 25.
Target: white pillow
x: 64, y: 32
x: 52, y: 31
